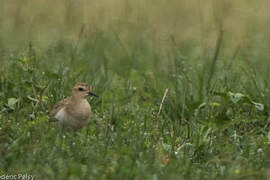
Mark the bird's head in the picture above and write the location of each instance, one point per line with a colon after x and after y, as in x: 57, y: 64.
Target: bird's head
x: 82, y: 90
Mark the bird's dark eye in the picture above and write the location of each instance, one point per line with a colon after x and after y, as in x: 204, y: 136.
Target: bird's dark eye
x: 80, y: 89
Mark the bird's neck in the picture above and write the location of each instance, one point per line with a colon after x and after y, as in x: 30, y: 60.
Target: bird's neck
x: 77, y: 99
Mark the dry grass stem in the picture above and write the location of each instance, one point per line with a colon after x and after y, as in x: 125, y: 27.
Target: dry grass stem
x: 163, y: 99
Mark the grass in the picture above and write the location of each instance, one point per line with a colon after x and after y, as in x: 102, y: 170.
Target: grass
x: 214, y: 120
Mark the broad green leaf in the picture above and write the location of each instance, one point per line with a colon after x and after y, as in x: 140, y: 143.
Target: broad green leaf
x: 235, y: 97
x: 12, y: 102
x: 45, y: 98
x: 26, y: 60
x: 202, y: 105
x: 258, y: 106
x: 33, y: 99
x: 213, y: 104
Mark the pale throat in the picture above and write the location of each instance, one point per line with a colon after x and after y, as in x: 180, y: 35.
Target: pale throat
x: 80, y: 105
x: 78, y: 97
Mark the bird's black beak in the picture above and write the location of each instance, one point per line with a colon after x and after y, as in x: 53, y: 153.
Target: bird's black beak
x: 92, y: 94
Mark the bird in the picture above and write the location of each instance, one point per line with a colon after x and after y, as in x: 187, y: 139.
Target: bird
x: 74, y: 111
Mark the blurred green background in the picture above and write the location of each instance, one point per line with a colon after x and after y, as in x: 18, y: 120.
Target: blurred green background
x: 45, y: 22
